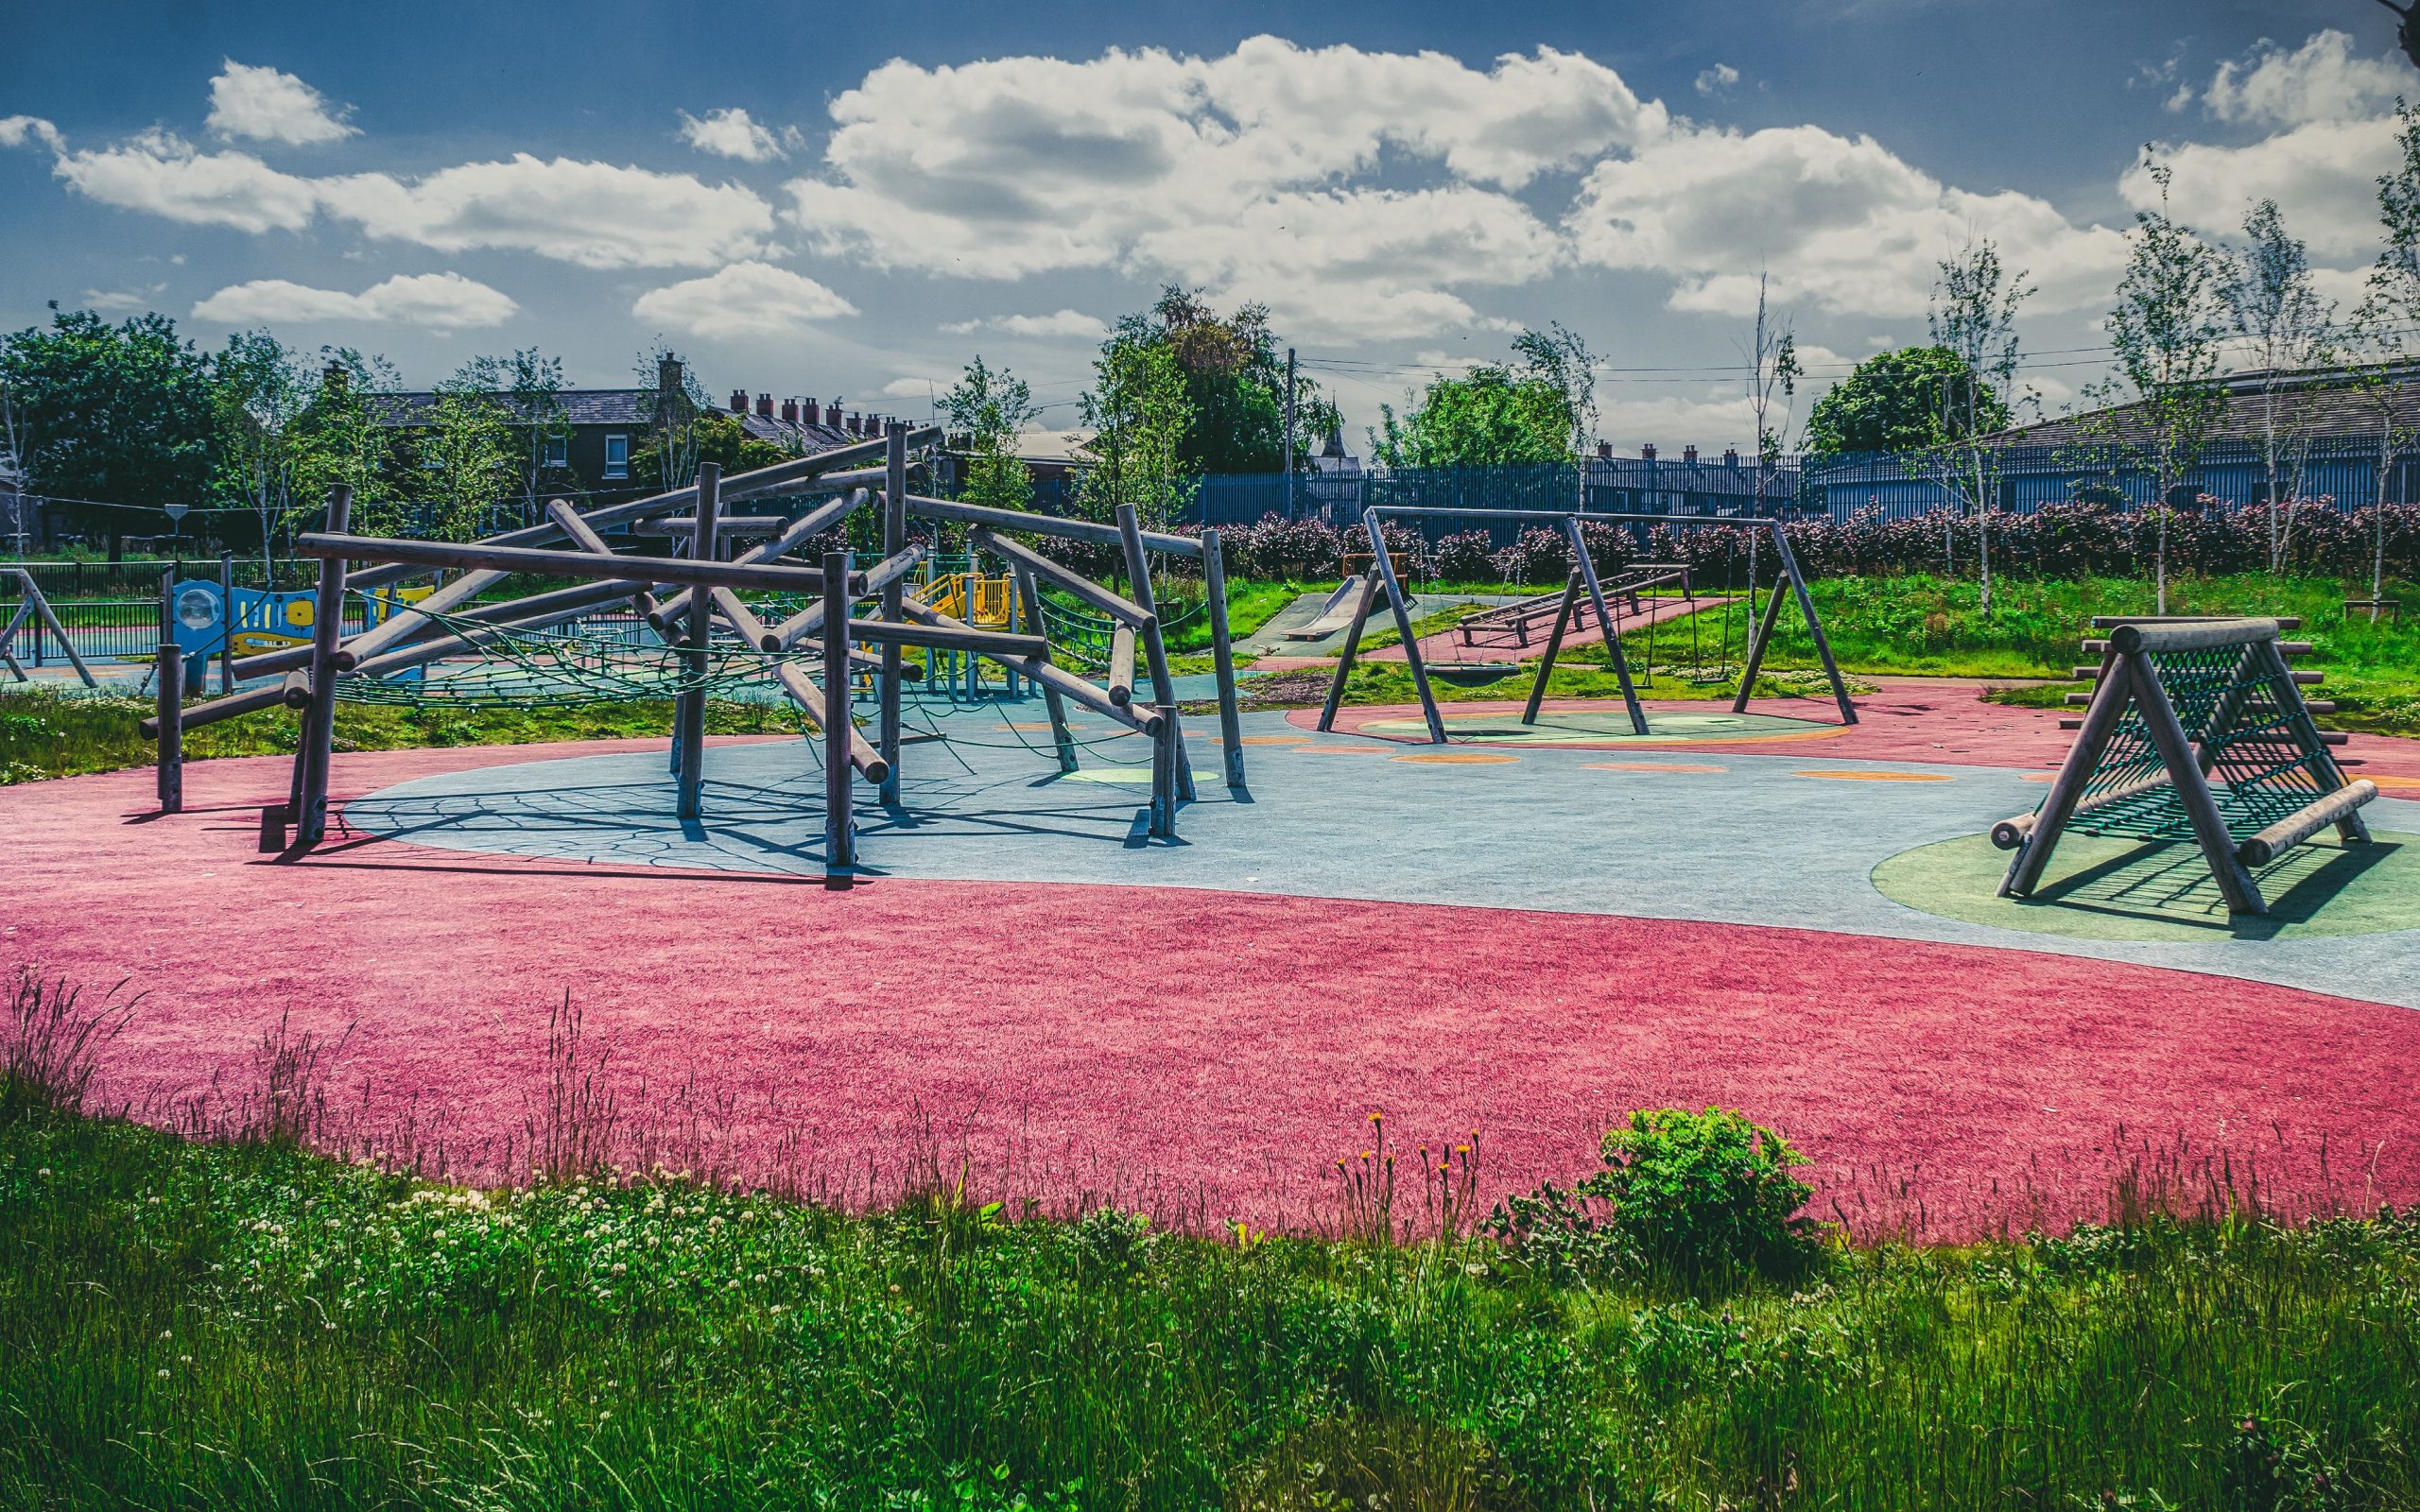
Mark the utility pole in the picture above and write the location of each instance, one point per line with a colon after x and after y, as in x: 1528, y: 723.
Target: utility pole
x: 1289, y: 432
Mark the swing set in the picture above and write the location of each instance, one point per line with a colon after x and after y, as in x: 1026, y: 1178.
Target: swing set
x: 1583, y: 593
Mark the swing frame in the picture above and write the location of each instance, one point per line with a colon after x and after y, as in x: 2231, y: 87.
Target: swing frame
x: 1380, y: 578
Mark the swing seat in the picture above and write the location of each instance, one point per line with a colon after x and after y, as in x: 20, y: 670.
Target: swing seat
x: 1472, y: 674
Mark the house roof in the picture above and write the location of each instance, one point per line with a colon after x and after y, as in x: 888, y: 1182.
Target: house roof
x: 2318, y: 402
x: 632, y: 408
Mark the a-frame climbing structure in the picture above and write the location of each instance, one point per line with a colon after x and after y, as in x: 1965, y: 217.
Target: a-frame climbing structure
x: 2197, y: 730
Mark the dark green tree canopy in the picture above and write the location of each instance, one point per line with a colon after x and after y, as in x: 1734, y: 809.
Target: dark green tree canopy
x: 1492, y: 417
x: 1903, y: 400
x: 1235, y: 382
x: 118, y: 413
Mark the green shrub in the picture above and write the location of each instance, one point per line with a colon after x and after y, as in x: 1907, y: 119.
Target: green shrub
x: 1687, y: 1192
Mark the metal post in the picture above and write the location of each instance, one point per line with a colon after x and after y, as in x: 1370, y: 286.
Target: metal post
x: 320, y: 719
x: 689, y: 717
x: 1289, y: 435
x: 840, y: 832
x: 894, y: 539
x: 226, y: 622
x: 171, y: 705
x: 1214, y: 587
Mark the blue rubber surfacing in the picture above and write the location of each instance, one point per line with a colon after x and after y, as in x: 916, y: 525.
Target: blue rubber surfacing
x: 1753, y: 843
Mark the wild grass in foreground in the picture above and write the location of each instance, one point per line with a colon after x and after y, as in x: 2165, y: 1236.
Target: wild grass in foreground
x: 243, y: 1323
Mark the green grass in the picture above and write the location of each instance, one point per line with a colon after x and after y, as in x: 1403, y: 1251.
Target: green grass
x: 247, y: 1325
x: 50, y: 733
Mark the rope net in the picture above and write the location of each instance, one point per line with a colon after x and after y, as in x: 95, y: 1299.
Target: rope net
x: 2239, y: 709
x: 596, y: 662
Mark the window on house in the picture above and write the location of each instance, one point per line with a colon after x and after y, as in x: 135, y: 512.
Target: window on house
x: 558, y: 450
x: 617, y: 457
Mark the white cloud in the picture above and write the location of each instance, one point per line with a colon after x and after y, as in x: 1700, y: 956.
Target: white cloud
x: 122, y: 301
x: 161, y: 173
x: 1717, y: 79
x: 441, y: 301
x: 2324, y: 176
x: 1839, y: 221
x: 916, y: 388
x: 729, y: 133
x: 591, y: 214
x: 1225, y: 170
x: 1067, y: 323
x: 265, y: 105
x: 2321, y: 80
x: 745, y: 299
x: 16, y: 130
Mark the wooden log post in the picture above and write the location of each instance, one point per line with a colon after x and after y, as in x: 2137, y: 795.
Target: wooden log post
x: 1223, y: 658
x: 1053, y: 701
x: 1586, y: 568
x: 1166, y: 750
x: 1814, y: 624
x: 689, y: 716
x: 2192, y: 788
x: 2036, y: 841
x: 1362, y: 603
x: 320, y: 719
x: 171, y: 704
x: 1121, y: 663
x: 894, y: 539
x: 226, y: 622
x: 1138, y: 568
x: 839, y: 829
x: 1554, y: 645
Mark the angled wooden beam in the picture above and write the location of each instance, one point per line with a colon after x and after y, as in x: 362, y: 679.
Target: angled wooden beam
x: 814, y: 522
x: 1053, y: 701
x: 1362, y: 603
x: 2192, y: 787
x: 1223, y: 658
x: 1586, y: 568
x: 1155, y: 652
x: 1411, y: 656
x: 2036, y: 841
x: 1554, y: 645
x: 1133, y: 716
x: 1044, y: 525
x: 1103, y: 600
x: 548, y: 563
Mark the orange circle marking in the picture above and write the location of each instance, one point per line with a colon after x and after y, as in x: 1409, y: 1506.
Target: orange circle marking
x: 1339, y: 750
x: 1652, y: 767
x: 1020, y: 727
x: 2396, y: 782
x: 1879, y: 776
x: 1276, y: 740
x: 1458, y: 758
x: 2041, y: 776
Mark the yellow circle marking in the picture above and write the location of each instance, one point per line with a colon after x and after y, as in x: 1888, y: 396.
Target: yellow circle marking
x: 1879, y: 776
x: 1020, y: 727
x: 1652, y: 767
x: 2392, y: 781
x: 1458, y: 758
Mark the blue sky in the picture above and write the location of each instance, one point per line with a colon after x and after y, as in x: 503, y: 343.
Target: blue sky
x: 845, y: 201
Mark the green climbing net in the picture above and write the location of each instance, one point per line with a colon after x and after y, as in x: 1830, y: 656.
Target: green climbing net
x: 600, y: 662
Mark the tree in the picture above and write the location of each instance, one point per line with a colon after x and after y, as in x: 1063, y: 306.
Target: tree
x: 675, y: 403
x: 2165, y: 330
x: 712, y: 436
x: 1540, y: 410
x: 1234, y: 373
x: 2382, y: 328
x: 1973, y: 317
x: 1139, y: 416
x: 2274, y: 304
x: 991, y: 408
x: 529, y: 383
x: 1772, y: 367
x: 1896, y: 402
x: 467, y: 456
x: 259, y: 390
x: 342, y: 436
x: 109, y: 414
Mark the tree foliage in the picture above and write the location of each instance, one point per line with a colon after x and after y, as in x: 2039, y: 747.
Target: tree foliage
x: 342, y: 436
x: 1898, y: 402
x: 1233, y: 370
x: 1139, y: 414
x: 118, y: 413
x: 991, y: 408
x: 1541, y: 407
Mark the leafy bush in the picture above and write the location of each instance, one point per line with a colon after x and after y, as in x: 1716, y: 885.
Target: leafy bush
x: 1691, y: 1192
x: 1463, y: 557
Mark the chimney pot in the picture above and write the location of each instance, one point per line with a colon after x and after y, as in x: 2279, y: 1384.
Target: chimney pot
x: 1647, y: 452
x: 1690, y: 453
x: 832, y: 414
x: 765, y: 405
x: 668, y: 375
x: 856, y: 424
x: 789, y: 411
x: 336, y: 377
x: 1605, y: 450
x: 1731, y: 456
x: 739, y: 400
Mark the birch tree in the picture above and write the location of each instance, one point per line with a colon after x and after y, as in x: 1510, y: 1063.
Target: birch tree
x: 2165, y: 329
x: 2382, y: 329
x: 1774, y: 373
x: 259, y: 389
x: 1973, y: 315
x: 2274, y: 306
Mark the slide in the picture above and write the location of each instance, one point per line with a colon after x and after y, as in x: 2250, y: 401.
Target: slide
x: 1334, y: 615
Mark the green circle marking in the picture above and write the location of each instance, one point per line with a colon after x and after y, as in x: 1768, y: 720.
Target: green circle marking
x: 2104, y: 887
x: 1139, y: 775
x: 1598, y: 727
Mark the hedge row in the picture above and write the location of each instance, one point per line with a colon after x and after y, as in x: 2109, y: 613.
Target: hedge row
x: 2058, y: 541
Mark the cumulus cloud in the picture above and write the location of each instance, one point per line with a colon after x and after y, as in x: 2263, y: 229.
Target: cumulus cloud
x: 1062, y: 323
x: 745, y: 299
x: 2321, y: 80
x: 441, y: 301
x: 916, y: 388
x: 162, y: 174
x: 729, y: 133
x: 591, y: 214
x: 122, y: 301
x: 16, y: 130
x: 1717, y: 79
x: 266, y: 105
x: 1839, y: 221
x: 2324, y: 176
x: 1147, y: 161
